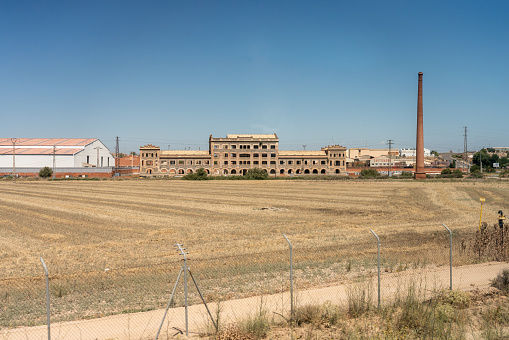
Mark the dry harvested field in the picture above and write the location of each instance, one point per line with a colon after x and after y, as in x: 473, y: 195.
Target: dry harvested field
x: 109, y: 243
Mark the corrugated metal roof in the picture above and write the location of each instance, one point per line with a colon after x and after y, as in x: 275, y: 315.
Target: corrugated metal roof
x: 40, y: 151
x: 37, y: 142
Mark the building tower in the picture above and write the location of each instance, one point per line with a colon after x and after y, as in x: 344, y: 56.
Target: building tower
x: 419, y: 152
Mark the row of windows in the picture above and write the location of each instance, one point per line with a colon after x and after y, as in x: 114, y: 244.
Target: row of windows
x: 246, y: 146
x: 246, y: 155
x: 207, y: 162
x: 246, y: 162
x: 148, y: 154
x: 234, y: 172
x: 188, y: 162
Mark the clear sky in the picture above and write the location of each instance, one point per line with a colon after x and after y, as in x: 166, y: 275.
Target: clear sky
x: 314, y: 72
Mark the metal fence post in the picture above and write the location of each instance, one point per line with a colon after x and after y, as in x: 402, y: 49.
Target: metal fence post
x: 450, y: 256
x: 378, y: 243
x: 183, y: 253
x: 291, y: 278
x: 47, y: 297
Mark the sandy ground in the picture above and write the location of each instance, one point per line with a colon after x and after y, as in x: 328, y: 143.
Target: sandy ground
x: 144, y: 325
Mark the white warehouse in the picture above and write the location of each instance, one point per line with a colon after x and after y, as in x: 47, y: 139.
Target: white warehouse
x: 65, y: 152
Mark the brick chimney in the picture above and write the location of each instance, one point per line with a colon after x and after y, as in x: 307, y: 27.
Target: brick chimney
x: 419, y: 152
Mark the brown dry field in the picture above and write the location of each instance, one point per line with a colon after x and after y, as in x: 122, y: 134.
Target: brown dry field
x: 129, y: 227
x: 93, y: 225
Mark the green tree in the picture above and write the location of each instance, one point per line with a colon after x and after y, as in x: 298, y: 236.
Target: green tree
x: 45, y: 172
x: 452, y: 165
x: 491, y: 150
x: 481, y: 156
x: 494, y: 158
x: 474, y: 168
x: 256, y: 173
x: 435, y: 153
x: 199, y: 175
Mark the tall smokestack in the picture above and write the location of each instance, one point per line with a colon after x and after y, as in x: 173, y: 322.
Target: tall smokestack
x: 419, y: 152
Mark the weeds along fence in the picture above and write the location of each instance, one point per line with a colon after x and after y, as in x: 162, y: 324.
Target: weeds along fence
x: 129, y: 302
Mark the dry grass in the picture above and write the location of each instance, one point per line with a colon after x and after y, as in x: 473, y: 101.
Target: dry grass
x: 129, y: 227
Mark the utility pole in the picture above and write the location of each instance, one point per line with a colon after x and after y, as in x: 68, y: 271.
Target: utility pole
x: 117, y: 159
x: 13, y: 140
x: 390, y: 141
x: 97, y: 163
x: 465, y: 147
x: 54, y: 162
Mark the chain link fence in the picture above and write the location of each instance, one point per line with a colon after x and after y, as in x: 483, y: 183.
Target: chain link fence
x: 129, y: 302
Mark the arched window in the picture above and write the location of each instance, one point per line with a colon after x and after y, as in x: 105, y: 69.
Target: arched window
x: 315, y: 171
x: 306, y: 171
x: 322, y: 172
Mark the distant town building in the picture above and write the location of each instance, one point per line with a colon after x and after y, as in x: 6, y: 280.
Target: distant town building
x: 237, y: 153
x: 410, y: 152
x: 129, y: 161
x: 361, y: 154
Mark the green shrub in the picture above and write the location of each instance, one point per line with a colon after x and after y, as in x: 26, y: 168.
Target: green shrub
x: 457, y: 173
x: 45, y: 172
x: 446, y: 171
x: 256, y: 173
x: 504, y: 173
x: 474, y: 168
x: 406, y: 174
x: 455, y: 298
x: 476, y: 174
x: 369, y: 173
x: 199, y: 175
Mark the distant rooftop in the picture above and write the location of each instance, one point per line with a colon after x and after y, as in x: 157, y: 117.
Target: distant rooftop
x: 184, y: 152
x: 47, y: 142
x: 44, y: 146
x: 301, y: 153
x: 272, y: 135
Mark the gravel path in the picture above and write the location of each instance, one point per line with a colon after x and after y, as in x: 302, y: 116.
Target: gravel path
x: 144, y: 325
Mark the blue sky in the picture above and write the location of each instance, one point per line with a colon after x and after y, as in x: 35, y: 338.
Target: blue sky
x: 314, y: 72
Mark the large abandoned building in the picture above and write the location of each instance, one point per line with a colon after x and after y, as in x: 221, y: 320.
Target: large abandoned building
x: 237, y: 153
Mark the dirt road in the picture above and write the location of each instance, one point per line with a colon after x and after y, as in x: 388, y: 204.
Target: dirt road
x: 145, y: 325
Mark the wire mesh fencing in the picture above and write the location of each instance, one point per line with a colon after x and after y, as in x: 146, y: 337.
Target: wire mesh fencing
x: 131, y: 302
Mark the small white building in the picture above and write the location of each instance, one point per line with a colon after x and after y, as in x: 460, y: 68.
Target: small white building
x: 410, y: 152
x: 382, y: 161
x: 65, y: 152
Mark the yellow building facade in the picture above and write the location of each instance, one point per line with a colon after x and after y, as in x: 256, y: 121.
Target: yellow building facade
x: 237, y: 153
